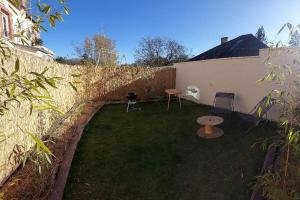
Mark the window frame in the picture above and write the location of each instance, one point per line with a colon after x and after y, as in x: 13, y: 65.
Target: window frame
x: 5, y: 25
x: 4, y: 11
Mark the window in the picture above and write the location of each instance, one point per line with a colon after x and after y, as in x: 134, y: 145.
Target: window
x: 5, y: 25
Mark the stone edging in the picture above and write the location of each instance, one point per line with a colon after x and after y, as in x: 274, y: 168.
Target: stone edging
x: 64, y: 168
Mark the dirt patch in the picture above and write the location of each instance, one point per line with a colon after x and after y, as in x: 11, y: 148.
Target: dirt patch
x: 27, y: 183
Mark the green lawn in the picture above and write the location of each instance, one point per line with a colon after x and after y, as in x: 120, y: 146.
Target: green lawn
x: 155, y: 154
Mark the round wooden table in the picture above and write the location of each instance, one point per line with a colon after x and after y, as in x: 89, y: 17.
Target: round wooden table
x: 209, y: 131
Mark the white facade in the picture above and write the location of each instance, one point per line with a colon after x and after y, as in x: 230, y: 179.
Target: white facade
x: 39, y: 51
x: 238, y: 75
x: 13, y: 20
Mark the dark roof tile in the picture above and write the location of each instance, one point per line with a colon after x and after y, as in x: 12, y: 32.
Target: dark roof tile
x: 245, y: 45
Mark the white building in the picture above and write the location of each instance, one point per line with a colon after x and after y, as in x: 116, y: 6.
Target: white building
x: 235, y: 66
x: 13, y: 19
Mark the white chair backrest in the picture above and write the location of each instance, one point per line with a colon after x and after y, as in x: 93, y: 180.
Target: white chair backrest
x: 194, y: 92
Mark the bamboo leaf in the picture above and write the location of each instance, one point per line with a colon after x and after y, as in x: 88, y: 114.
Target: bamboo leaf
x: 7, y: 93
x: 40, y: 144
x: 17, y: 65
x: 42, y: 97
x: 41, y: 108
x: 4, y: 71
x: 66, y: 10
x: 260, y: 81
x: 259, y: 111
x: 31, y: 108
x: 57, y: 78
x: 35, y: 73
x: 48, y: 159
x: 76, y: 75
x: 47, y: 9
x: 41, y: 85
x: 45, y: 70
x: 12, y: 90
x: 72, y: 85
x: 50, y: 82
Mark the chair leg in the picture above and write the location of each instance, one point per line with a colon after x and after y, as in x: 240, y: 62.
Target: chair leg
x: 179, y: 101
x: 169, y: 102
x: 128, y: 107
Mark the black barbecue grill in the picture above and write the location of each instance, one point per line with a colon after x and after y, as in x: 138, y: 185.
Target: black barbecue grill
x: 132, y: 101
x: 131, y: 96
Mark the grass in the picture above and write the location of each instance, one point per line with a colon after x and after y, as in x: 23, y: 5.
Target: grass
x: 155, y: 154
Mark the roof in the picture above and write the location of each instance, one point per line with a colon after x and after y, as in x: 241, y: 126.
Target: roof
x: 244, y: 45
x: 34, y: 49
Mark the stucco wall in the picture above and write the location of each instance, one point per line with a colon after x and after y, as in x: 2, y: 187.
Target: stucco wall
x: 237, y: 75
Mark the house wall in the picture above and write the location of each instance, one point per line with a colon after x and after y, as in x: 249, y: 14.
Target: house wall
x: 38, y: 51
x: 237, y: 75
x: 17, y: 15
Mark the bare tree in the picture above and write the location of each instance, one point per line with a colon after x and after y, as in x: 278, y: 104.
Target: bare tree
x: 159, y: 52
x: 100, y: 50
x: 175, y: 52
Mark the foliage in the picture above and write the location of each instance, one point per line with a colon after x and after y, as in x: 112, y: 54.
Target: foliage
x: 32, y: 87
x: 271, y: 182
x: 68, y: 61
x: 261, y: 35
x: 38, y: 42
x: 159, y: 51
x: 40, y: 156
x: 50, y: 12
x: 283, y: 182
x: 295, y: 39
x: 60, y: 59
x: 100, y: 51
x: 45, y: 13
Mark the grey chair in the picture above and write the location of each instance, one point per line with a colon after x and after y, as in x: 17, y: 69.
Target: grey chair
x: 223, y: 103
x: 259, y: 111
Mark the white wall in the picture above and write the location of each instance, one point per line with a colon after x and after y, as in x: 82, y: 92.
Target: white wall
x: 237, y: 75
x: 19, y: 16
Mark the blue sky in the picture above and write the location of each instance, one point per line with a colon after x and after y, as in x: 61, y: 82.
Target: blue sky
x: 198, y: 24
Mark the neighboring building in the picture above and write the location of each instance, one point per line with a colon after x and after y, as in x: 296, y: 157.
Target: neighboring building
x: 242, y: 46
x: 13, y: 19
x: 235, y: 67
x: 39, y: 51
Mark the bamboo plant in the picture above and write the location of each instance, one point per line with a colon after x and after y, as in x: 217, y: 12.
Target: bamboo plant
x: 283, y: 182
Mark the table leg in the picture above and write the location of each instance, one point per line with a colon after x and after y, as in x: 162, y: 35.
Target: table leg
x: 179, y: 101
x: 169, y: 101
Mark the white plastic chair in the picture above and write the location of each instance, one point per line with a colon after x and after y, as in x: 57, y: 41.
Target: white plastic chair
x: 193, y: 92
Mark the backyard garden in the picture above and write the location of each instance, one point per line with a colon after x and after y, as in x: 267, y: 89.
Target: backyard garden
x: 67, y: 133
x: 156, y: 154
